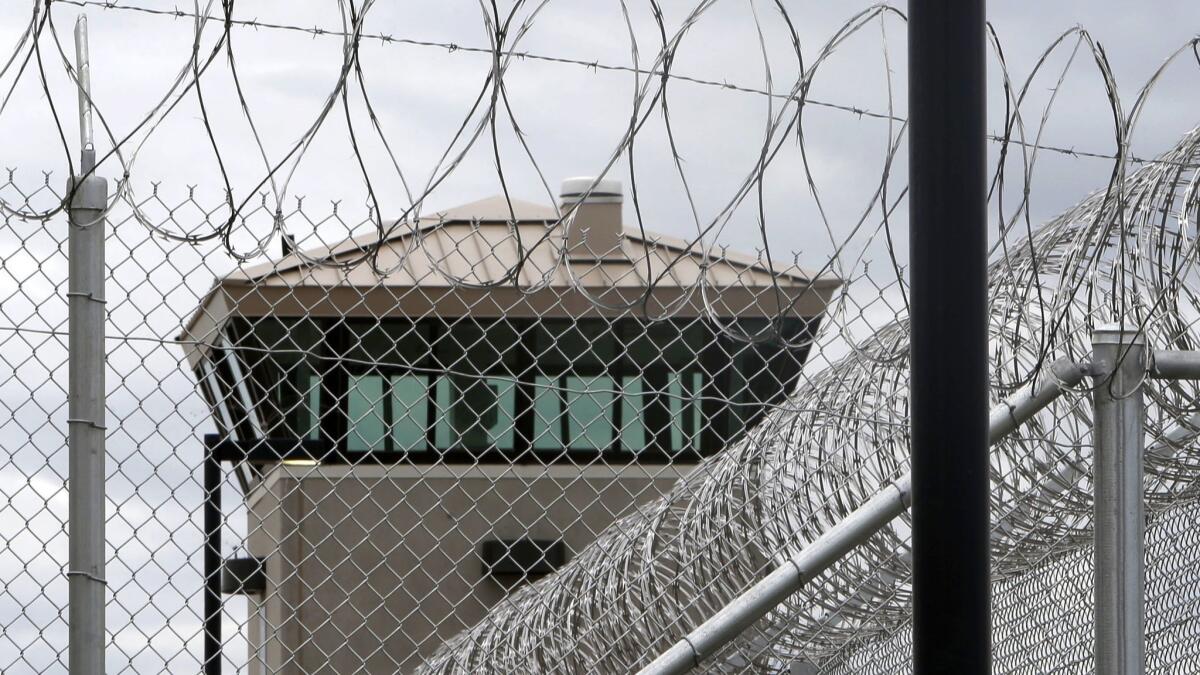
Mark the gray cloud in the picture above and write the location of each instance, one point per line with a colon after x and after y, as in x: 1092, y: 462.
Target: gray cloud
x: 572, y: 117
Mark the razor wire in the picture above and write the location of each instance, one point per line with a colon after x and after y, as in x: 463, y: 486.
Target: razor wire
x: 657, y: 574
x: 491, y: 104
x: 421, y: 444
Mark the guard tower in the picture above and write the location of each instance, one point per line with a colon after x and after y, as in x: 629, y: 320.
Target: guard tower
x: 412, y: 445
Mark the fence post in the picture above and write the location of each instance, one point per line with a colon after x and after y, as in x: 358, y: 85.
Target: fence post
x: 1119, y: 370
x: 88, y: 197
x: 212, y: 564
x: 949, y: 350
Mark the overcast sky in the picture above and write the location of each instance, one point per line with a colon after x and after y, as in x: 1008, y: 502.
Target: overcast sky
x: 572, y: 117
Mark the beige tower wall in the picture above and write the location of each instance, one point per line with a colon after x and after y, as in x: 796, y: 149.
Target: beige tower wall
x: 371, y: 568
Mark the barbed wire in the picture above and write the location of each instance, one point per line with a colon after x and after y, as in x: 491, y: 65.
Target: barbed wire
x: 837, y: 434
x: 491, y: 108
x: 317, y: 31
x: 658, y: 572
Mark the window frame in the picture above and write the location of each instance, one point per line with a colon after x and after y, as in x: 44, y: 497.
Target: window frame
x: 713, y: 361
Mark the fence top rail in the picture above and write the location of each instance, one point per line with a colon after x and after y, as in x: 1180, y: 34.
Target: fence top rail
x: 1175, y: 365
x: 866, y: 520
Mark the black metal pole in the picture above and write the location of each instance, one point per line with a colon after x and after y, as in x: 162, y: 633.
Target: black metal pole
x: 949, y: 404
x: 212, y: 564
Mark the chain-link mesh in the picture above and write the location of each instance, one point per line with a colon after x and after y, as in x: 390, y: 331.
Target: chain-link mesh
x: 855, y: 617
x: 517, y: 437
x: 516, y: 485
x: 397, y: 452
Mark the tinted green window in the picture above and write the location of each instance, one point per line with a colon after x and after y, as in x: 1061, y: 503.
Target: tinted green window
x: 590, y: 412
x: 365, y: 409
x: 476, y: 413
x: 683, y: 391
x: 410, y: 412
x: 633, y: 407
x: 380, y: 409
x: 547, y: 414
x: 280, y: 357
x: 588, y: 386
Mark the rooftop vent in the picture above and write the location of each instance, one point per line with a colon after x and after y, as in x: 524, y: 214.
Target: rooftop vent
x: 594, y: 228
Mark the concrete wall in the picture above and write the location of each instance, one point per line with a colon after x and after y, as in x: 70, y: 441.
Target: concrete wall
x: 371, y: 568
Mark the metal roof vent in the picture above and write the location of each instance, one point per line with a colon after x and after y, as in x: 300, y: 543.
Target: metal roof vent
x: 594, y: 229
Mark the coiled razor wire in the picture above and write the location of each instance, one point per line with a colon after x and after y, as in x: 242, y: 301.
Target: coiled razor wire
x: 1127, y: 253
x: 40, y: 48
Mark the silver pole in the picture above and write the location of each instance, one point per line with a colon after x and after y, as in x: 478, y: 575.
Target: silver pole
x: 85, y: 394
x: 1176, y: 366
x: 1119, y: 369
x: 83, y: 68
x: 773, y: 589
x: 861, y: 524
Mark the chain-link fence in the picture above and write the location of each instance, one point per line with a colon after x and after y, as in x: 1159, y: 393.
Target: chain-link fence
x: 537, y: 436
x: 842, y: 437
x: 374, y: 445
x: 421, y: 464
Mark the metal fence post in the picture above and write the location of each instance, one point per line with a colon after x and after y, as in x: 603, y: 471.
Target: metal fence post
x: 755, y: 602
x: 1119, y: 370
x: 212, y: 564
x: 88, y: 197
x: 85, y: 422
x: 949, y: 349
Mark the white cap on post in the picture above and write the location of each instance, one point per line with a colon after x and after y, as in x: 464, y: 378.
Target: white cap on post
x: 594, y: 230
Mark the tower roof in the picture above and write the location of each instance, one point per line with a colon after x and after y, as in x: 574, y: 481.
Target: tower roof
x: 500, y: 257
